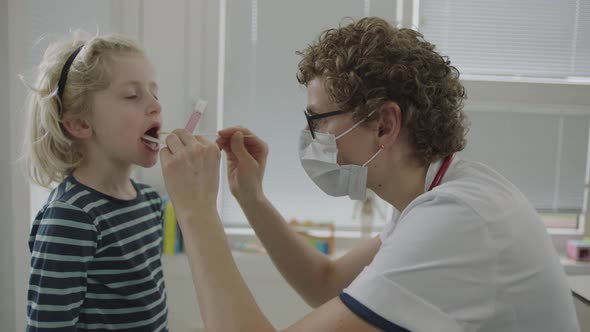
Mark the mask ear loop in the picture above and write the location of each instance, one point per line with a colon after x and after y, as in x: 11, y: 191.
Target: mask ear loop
x: 381, y: 148
x: 355, y: 125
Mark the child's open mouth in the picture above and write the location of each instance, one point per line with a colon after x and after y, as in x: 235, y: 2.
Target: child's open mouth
x: 151, y: 139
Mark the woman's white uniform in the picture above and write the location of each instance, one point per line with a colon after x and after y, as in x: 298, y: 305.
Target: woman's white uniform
x: 470, y: 255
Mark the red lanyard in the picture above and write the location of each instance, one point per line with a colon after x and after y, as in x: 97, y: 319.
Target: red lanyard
x: 441, y: 172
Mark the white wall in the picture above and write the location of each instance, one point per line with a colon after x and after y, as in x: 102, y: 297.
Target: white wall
x: 7, y: 310
x: 16, y: 215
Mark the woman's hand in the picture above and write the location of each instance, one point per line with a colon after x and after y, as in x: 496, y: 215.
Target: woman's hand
x: 190, y: 166
x: 246, y: 161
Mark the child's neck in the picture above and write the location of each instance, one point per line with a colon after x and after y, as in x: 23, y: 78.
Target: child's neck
x: 106, y: 179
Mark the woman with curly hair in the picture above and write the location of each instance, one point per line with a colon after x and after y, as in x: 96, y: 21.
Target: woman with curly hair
x: 465, y: 252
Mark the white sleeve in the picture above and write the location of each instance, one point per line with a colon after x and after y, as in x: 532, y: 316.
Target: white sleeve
x: 434, y: 273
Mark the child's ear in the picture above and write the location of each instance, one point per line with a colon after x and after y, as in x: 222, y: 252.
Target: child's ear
x: 77, y: 127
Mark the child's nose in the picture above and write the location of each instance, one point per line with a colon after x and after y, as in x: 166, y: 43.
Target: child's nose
x: 155, y: 107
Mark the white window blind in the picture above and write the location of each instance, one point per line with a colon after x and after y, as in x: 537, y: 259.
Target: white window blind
x: 542, y: 148
x: 537, y: 38
x: 262, y: 93
x: 543, y: 153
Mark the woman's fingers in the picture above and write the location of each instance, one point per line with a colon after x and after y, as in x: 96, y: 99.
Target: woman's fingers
x: 230, y: 131
x: 185, y: 137
x: 173, y: 143
x: 224, y: 141
x: 165, y: 156
x: 225, y: 135
x: 202, y: 140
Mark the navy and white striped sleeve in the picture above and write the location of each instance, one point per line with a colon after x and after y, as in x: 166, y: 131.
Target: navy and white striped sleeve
x: 63, y: 242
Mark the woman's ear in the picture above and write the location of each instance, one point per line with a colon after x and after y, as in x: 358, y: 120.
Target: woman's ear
x: 77, y: 127
x: 390, y: 123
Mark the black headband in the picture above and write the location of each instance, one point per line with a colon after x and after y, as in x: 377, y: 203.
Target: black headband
x: 64, y: 74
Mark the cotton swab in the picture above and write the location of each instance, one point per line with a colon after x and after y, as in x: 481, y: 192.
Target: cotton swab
x: 155, y: 140
x: 191, y: 124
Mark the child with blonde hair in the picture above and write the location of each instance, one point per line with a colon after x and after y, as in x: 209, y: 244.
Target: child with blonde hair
x: 96, y: 242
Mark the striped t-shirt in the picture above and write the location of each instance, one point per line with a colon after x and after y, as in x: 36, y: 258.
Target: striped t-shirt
x: 95, y: 262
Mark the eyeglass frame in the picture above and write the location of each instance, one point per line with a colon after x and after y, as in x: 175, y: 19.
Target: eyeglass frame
x: 310, y: 118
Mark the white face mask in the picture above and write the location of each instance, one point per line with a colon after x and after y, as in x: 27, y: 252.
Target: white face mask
x: 318, y: 158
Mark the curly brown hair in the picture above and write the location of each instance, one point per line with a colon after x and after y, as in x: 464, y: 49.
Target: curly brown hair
x: 367, y: 63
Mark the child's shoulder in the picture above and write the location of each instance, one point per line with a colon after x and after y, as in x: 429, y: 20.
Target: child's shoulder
x: 67, y: 201
x: 68, y: 192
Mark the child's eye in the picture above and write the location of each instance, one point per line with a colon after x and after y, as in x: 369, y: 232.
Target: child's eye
x: 131, y: 97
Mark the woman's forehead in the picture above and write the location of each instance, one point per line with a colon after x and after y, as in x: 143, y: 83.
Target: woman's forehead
x: 318, y: 100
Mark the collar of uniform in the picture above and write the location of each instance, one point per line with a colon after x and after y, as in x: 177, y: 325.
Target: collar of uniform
x: 433, y: 169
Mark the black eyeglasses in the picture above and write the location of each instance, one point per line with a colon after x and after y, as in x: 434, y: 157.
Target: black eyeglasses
x: 311, y: 118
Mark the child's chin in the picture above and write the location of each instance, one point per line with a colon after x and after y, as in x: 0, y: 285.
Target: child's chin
x: 149, y: 163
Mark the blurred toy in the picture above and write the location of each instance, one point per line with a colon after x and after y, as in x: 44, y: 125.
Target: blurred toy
x: 365, y: 213
x: 173, y: 242
x: 319, y: 235
x: 578, y: 250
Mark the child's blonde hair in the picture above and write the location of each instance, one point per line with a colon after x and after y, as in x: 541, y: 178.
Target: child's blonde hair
x: 50, y: 152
